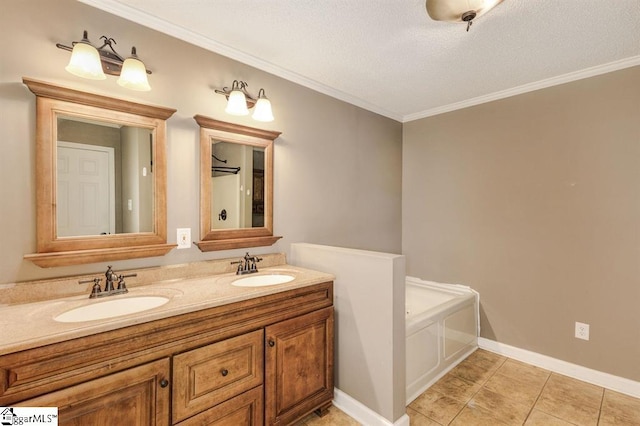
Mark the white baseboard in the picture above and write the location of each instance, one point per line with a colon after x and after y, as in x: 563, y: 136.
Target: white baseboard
x: 362, y: 413
x: 606, y: 380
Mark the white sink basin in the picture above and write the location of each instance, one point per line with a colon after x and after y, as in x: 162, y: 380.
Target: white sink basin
x: 111, y: 308
x: 263, y: 280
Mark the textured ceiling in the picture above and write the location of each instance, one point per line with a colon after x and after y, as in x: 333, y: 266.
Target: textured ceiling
x: 389, y: 57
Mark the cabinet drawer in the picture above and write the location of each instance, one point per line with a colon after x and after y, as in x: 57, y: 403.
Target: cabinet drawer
x: 207, y: 376
x: 243, y: 410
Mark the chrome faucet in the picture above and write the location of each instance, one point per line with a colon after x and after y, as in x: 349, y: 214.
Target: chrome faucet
x: 247, y: 265
x: 109, y: 289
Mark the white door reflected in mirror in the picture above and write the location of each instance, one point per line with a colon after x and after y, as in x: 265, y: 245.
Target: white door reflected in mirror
x: 86, y: 190
x: 104, y: 178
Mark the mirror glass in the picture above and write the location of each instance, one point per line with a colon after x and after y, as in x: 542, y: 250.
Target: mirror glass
x: 237, y: 186
x: 101, y: 177
x: 104, y: 178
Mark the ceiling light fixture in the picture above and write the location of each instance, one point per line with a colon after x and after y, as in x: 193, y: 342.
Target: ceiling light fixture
x: 459, y: 10
x: 239, y: 101
x: 90, y: 62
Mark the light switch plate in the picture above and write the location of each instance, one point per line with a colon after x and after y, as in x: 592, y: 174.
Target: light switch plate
x: 184, y: 238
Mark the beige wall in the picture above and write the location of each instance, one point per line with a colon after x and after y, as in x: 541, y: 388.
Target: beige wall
x: 534, y: 201
x: 337, y: 167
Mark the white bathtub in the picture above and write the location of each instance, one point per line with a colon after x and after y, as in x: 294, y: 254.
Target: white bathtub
x: 441, y: 330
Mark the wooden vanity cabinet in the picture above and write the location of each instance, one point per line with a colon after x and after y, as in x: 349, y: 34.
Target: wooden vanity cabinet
x: 266, y: 360
x: 137, y: 396
x: 299, y: 366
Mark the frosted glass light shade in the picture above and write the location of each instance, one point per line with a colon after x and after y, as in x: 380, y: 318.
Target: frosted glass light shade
x: 237, y: 103
x: 85, y: 62
x: 452, y: 10
x: 134, y: 75
x: 262, y: 111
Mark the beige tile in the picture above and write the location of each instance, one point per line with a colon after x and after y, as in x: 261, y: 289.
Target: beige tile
x: 520, y: 370
x: 619, y: 409
x: 521, y: 389
x: 437, y: 406
x: 503, y: 408
x: 562, y: 391
x: 487, y: 360
x: 417, y: 419
x: 478, y: 416
x: 456, y: 388
x: 303, y: 421
x: 571, y: 400
x: 577, y: 414
x: 608, y: 419
x: 476, y: 371
x: 334, y: 417
x: 482, y: 355
x: 510, y: 389
x: 572, y: 391
x: 538, y: 418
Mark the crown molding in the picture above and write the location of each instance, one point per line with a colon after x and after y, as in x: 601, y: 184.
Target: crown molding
x: 530, y: 87
x: 142, y: 18
x: 191, y: 37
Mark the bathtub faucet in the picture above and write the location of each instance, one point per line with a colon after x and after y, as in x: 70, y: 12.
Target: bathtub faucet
x: 247, y: 265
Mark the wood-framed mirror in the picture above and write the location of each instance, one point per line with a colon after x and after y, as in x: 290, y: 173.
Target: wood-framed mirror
x: 236, y: 185
x: 101, y: 177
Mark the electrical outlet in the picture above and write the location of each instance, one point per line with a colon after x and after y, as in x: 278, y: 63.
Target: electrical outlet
x: 184, y: 238
x: 582, y: 331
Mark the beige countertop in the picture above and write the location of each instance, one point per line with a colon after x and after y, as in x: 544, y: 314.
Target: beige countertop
x: 30, y: 325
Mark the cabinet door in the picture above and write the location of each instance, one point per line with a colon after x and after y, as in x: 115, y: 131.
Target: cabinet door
x: 137, y: 396
x: 299, y: 366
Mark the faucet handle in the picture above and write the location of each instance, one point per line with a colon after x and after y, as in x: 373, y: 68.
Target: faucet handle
x: 240, y: 264
x: 95, y: 290
x: 254, y: 260
x: 122, y: 286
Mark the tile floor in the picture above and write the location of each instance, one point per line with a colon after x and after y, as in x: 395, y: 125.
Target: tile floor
x: 489, y: 389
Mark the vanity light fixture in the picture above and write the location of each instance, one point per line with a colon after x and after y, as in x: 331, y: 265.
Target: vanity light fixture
x: 90, y: 62
x: 239, y: 101
x: 263, y: 108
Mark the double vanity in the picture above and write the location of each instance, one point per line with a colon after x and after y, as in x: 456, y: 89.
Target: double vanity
x: 203, y: 343
x: 217, y: 348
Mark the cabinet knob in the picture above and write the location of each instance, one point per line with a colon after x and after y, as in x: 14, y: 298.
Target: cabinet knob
x: 164, y: 383
x: 272, y: 343
x: 224, y: 372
